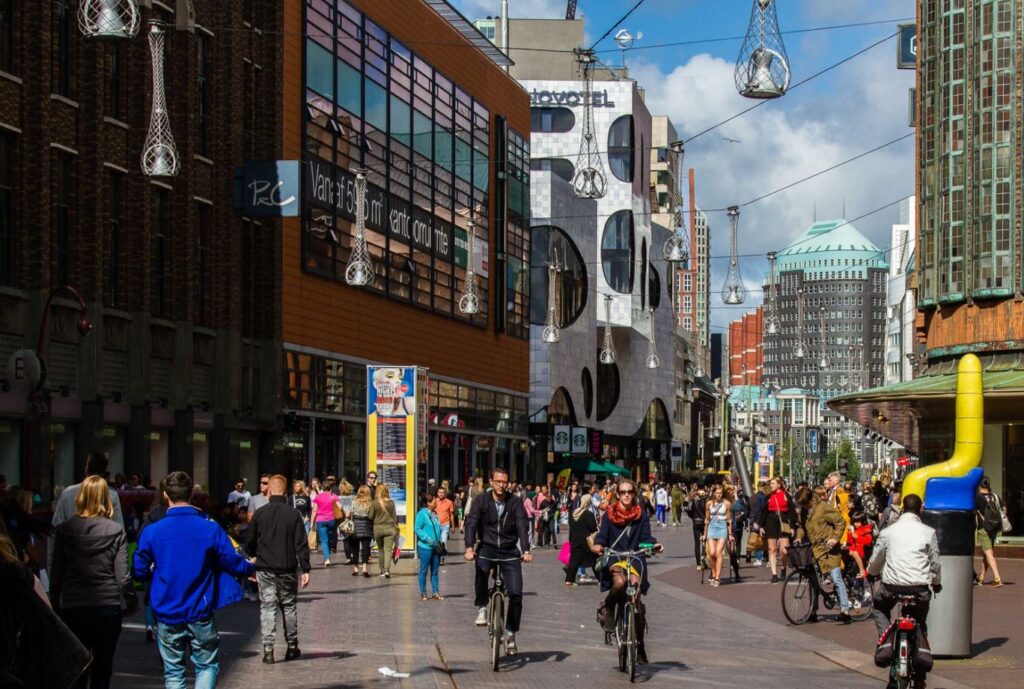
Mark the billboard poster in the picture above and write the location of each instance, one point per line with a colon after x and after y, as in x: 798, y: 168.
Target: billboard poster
x: 391, y: 435
x: 562, y: 439
x: 579, y: 441
x: 765, y: 459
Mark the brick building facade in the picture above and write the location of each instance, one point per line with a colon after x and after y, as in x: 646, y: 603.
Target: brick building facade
x: 179, y: 371
x: 746, y: 348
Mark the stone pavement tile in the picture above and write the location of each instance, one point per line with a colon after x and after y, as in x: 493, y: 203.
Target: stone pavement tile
x: 351, y: 626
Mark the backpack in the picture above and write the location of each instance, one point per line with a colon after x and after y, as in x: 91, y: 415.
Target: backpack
x: 870, y: 505
x: 992, y: 515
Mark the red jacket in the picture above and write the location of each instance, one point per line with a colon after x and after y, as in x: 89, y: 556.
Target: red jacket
x: 862, y: 537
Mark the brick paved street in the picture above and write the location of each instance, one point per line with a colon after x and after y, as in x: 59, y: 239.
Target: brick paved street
x: 350, y: 627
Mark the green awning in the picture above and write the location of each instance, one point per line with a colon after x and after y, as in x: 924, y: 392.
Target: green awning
x: 592, y: 466
x: 896, y: 411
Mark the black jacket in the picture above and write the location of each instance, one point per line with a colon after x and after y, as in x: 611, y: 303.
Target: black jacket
x: 90, y: 564
x: 277, y: 538
x: 484, y: 527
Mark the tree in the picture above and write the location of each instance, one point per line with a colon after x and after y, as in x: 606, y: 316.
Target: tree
x: 842, y: 457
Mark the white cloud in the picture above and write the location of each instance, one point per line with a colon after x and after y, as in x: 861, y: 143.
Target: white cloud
x: 841, y: 114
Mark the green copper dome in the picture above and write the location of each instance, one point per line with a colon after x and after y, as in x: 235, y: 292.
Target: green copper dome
x: 832, y: 246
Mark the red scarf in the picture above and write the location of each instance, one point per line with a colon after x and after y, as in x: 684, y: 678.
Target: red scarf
x: 621, y: 516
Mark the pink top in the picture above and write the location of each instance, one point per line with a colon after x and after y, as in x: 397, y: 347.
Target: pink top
x: 528, y: 506
x: 324, y: 502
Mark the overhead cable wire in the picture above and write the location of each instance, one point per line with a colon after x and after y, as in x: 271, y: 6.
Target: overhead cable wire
x: 616, y: 24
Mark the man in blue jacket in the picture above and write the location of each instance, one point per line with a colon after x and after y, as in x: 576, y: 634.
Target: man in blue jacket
x: 193, y: 566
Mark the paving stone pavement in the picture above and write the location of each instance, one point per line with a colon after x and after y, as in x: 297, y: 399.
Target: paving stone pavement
x: 350, y: 627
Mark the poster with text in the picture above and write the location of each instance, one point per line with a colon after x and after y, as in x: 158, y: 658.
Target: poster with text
x: 765, y: 459
x: 391, y: 438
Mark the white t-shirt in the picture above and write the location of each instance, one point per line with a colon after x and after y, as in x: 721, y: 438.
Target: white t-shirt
x: 240, y: 498
x: 661, y: 497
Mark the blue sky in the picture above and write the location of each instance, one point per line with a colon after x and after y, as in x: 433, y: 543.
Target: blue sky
x: 846, y: 112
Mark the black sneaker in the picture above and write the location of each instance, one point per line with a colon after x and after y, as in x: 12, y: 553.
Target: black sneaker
x: 292, y: 653
x: 641, y: 654
x: 268, y: 654
x: 775, y: 579
x: 844, y: 618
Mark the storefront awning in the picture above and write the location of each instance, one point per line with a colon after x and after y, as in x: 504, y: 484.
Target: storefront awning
x: 896, y: 411
x: 592, y: 466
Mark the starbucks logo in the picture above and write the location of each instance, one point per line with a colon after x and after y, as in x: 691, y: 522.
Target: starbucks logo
x: 562, y: 437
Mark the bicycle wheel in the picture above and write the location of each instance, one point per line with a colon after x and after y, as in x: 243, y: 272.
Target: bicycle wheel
x: 861, y: 604
x: 631, y: 641
x: 497, y: 628
x: 797, y: 597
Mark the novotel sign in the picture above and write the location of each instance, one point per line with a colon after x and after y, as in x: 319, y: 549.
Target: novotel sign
x: 570, y: 98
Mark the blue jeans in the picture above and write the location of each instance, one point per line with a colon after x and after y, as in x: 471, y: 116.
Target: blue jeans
x: 432, y: 561
x: 659, y: 511
x: 445, y: 530
x: 837, y: 579
x: 172, y: 640
x: 323, y: 533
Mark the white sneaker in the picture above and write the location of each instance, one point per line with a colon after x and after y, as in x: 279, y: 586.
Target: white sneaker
x: 481, y: 617
x: 510, y: 644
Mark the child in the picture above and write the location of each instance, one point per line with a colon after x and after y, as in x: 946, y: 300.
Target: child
x: 861, y: 537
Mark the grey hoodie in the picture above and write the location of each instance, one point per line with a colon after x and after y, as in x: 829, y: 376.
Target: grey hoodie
x: 90, y: 563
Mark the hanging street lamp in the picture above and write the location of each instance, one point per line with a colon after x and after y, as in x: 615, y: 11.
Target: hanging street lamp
x: 159, y: 154
x: 360, y: 269
x: 551, y: 333
x: 589, y: 181
x: 800, y: 352
x: 469, y: 303
x: 108, y: 20
x: 652, y: 360
x: 762, y: 68
x: 677, y: 247
x: 734, y: 291
x: 772, y: 324
x: 608, y: 345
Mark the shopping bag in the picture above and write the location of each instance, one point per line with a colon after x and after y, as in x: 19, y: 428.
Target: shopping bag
x: 312, y: 539
x: 754, y: 542
x: 396, y: 555
x: 563, y: 553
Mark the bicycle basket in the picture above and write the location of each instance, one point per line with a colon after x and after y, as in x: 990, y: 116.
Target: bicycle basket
x: 801, y: 556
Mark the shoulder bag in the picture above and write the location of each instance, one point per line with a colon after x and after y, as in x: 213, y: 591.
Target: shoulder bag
x: 439, y: 548
x: 602, y: 562
x: 338, y: 512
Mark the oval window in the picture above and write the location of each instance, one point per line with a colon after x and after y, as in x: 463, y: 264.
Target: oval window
x: 588, y: 392
x: 654, y: 288
x: 561, y: 167
x: 552, y: 120
x: 643, y: 274
x: 620, y: 148
x: 547, y: 243
x: 607, y: 390
x: 617, y: 252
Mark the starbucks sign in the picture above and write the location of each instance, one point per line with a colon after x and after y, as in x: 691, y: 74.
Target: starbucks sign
x: 561, y: 437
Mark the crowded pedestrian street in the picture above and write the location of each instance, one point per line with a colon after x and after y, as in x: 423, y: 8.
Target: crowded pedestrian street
x: 354, y: 632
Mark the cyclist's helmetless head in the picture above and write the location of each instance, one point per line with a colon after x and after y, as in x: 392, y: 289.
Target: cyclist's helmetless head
x: 627, y: 492
x: 499, y: 482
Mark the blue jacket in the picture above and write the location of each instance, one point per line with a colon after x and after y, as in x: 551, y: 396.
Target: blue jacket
x: 193, y: 565
x: 428, y: 528
x: 612, y: 536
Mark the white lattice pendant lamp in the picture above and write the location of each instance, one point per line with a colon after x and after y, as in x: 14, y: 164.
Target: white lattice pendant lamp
x: 734, y: 291
x: 159, y: 154
x: 823, y: 358
x: 607, y: 355
x: 588, y: 182
x: 652, y: 360
x: 469, y: 302
x: 772, y: 324
x: 677, y: 247
x: 762, y: 68
x: 551, y: 333
x: 109, y: 20
x: 360, y: 270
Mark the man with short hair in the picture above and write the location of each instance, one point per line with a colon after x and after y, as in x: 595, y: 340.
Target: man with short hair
x: 907, y: 556
x: 371, y: 481
x: 445, y: 511
x: 277, y: 540
x: 497, y: 528
x: 193, y: 567
x: 260, y: 499
x: 240, y: 496
x: 95, y: 465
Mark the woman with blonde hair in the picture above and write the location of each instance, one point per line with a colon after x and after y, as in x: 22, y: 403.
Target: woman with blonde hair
x: 90, y: 577
x: 385, y: 528
x: 717, y: 530
x: 362, y: 531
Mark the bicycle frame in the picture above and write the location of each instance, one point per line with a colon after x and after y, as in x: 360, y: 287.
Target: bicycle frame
x: 497, y: 595
x: 906, y: 641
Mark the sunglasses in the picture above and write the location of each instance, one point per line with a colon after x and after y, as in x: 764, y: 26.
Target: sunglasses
x: 627, y: 492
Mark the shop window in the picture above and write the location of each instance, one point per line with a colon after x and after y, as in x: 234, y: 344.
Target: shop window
x: 607, y: 390
x: 617, y: 251
x: 552, y: 120
x: 550, y: 243
x: 620, y: 148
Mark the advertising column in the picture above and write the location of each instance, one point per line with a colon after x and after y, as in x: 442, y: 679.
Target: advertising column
x: 391, y: 438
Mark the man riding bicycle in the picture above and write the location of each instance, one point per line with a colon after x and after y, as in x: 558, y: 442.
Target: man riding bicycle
x: 497, y: 521
x: 907, y: 556
x: 625, y: 526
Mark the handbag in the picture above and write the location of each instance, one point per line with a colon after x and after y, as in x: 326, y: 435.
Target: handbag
x: 311, y: 538
x: 605, y: 558
x: 439, y: 547
x: 338, y: 512
x: 785, y: 528
x: 396, y: 555
x: 563, y: 552
x: 347, y: 527
x: 754, y: 542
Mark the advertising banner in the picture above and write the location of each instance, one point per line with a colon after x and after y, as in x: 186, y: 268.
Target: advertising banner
x: 765, y: 459
x: 391, y: 434
x: 579, y: 440
x: 562, y: 439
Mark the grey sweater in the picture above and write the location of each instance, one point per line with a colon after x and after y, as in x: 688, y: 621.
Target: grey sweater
x: 90, y: 563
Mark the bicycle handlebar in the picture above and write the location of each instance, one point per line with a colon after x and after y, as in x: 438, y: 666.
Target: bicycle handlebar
x: 649, y: 552
x: 497, y: 559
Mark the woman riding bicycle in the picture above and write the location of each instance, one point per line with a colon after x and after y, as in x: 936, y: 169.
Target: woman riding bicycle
x: 825, y: 527
x: 624, y: 527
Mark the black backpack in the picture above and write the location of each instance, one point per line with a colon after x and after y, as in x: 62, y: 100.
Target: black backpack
x: 992, y: 515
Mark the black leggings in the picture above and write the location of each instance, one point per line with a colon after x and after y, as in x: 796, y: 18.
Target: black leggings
x: 616, y: 597
x: 360, y: 549
x: 698, y: 532
x: 576, y: 560
x: 734, y: 554
x: 98, y: 629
